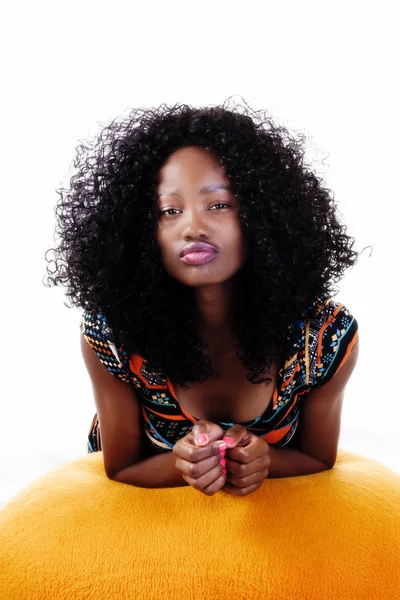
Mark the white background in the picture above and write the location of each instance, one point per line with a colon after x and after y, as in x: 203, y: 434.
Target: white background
x: 328, y: 70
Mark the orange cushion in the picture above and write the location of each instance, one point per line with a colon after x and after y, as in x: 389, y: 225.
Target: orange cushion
x: 74, y: 534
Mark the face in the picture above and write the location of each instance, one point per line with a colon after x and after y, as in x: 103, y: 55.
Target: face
x: 199, y: 231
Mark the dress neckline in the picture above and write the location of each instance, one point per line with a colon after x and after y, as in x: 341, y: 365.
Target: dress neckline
x: 271, y: 406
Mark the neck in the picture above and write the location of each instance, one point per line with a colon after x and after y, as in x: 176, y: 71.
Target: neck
x: 214, y: 304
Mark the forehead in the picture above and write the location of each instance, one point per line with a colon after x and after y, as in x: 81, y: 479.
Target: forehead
x: 191, y: 163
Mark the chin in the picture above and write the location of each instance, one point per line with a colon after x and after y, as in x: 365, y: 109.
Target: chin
x: 202, y: 283
x: 198, y: 279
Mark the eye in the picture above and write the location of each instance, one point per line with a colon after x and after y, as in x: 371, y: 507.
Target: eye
x: 169, y: 211
x: 220, y: 205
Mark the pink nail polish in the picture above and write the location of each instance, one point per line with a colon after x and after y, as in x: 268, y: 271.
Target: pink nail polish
x: 229, y: 440
x: 201, y: 438
x: 223, y: 445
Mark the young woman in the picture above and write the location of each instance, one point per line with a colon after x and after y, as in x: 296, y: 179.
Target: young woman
x: 203, y: 252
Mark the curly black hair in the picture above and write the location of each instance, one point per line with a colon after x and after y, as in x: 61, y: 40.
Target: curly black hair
x: 109, y: 260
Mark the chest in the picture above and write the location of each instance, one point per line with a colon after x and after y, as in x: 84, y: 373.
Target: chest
x: 229, y: 397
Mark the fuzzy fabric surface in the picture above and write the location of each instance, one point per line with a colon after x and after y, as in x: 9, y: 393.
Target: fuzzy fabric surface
x: 74, y: 534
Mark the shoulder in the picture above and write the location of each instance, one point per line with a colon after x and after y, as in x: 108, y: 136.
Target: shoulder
x: 333, y: 313
x: 330, y: 337
x: 93, y: 322
x: 98, y: 334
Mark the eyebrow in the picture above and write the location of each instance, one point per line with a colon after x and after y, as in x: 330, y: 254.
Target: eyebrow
x: 204, y: 190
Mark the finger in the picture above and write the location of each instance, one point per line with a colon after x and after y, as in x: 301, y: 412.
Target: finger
x: 236, y: 491
x: 236, y: 436
x: 244, y: 482
x: 245, y: 469
x: 209, y: 483
x: 186, y: 450
x: 205, y: 432
x: 197, y: 469
x: 255, y: 448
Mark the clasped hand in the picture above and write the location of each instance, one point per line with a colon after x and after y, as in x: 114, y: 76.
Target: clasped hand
x: 210, y: 459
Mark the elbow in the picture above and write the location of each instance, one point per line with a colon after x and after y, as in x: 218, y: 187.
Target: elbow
x: 121, y: 475
x: 117, y: 477
x: 111, y: 475
x: 329, y: 465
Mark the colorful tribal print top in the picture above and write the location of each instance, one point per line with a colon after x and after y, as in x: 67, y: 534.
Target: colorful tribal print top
x: 322, y: 347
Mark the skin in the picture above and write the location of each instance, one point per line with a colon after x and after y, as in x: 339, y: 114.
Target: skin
x: 189, y: 212
x: 209, y: 459
x: 243, y: 473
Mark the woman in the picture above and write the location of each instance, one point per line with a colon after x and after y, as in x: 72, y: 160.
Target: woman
x: 203, y: 252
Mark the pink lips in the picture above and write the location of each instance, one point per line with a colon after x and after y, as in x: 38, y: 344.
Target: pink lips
x: 198, y: 253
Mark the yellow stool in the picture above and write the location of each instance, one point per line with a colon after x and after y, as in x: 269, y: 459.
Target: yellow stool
x: 74, y: 534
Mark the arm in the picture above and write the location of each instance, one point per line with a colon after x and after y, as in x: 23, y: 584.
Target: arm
x: 155, y: 472
x: 250, y: 460
x: 287, y: 462
x: 319, y: 427
x: 122, y: 435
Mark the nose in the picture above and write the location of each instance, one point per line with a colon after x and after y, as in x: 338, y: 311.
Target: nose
x: 195, y: 225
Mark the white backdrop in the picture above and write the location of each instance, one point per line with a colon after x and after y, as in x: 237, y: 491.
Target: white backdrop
x: 327, y: 70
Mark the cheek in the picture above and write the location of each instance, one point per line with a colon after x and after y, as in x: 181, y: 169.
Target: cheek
x: 161, y: 239
x: 238, y: 241
x: 164, y: 244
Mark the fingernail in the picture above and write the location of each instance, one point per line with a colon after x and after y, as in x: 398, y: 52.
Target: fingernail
x: 229, y: 440
x: 222, y: 462
x: 222, y: 445
x: 201, y: 438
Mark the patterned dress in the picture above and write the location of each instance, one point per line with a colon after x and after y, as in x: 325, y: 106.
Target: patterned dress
x: 322, y: 346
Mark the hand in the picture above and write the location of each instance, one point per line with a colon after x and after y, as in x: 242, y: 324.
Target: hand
x: 247, y: 461
x: 199, y: 455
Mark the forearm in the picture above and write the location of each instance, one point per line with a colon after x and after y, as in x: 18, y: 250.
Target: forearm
x: 158, y: 471
x: 287, y: 462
